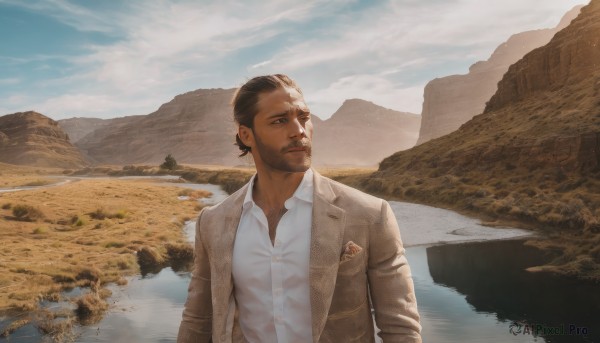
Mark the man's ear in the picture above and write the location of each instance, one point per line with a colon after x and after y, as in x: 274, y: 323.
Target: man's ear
x: 246, y: 135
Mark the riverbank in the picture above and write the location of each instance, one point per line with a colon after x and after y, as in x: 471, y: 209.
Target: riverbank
x: 563, y: 211
x: 86, y: 233
x: 110, y: 256
x: 25, y: 176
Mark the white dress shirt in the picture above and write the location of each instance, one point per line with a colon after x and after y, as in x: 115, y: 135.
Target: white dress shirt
x: 271, y: 283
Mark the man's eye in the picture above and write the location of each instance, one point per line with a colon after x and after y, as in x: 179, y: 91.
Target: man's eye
x: 279, y: 121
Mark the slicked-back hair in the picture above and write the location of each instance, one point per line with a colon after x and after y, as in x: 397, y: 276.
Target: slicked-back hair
x: 246, y: 97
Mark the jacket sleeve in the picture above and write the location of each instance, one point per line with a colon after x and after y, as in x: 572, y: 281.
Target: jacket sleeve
x: 196, y: 324
x: 390, y: 282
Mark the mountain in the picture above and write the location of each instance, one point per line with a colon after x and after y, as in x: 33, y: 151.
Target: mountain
x: 77, y: 128
x: 453, y: 100
x: 532, y: 157
x: 95, y: 130
x: 198, y: 128
x: 30, y: 138
x: 195, y: 127
x: 361, y: 133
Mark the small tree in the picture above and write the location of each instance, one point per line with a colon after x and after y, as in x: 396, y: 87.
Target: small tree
x: 169, y: 163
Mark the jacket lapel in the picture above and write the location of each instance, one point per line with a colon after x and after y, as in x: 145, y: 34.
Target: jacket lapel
x: 223, y: 258
x: 327, y: 232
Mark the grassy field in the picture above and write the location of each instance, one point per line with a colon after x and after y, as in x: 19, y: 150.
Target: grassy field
x: 18, y: 176
x: 86, y: 233
x: 563, y: 208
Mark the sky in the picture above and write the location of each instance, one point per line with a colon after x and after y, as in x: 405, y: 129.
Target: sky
x: 106, y: 59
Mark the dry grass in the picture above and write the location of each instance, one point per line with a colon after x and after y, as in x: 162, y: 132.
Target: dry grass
x: 18, y: 176
x: 230, y: 179
x: 88, y: 235
x: 345, y: 173
x: 14, y: 326
x: 556, y: 203
x: 546, y: 199
x: 90, y: 308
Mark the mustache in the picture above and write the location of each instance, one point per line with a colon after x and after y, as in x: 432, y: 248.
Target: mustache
x: 299, y: 144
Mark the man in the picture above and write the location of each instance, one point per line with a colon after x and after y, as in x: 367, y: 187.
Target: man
x: 293, y: 256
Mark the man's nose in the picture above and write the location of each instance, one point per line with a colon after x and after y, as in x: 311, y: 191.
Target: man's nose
x: 297, y: 129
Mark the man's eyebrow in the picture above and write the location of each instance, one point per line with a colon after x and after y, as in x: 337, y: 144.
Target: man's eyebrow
x: 277, y: 115
x: 283, y: 114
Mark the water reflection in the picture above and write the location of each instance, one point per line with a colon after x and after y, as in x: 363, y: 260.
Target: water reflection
x: 466, y: 293
x: 147, y: 310
x: 491, y: 278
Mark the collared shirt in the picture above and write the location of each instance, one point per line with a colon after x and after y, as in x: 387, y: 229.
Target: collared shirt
x: 271, y: 283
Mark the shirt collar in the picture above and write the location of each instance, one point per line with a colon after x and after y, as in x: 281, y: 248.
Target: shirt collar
x: 304, y: 191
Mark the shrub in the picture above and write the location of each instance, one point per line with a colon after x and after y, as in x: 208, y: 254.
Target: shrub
x: 180, y: 252
x: 78, y: 221
x: 120, y: 214
x: 92, y: 274
x: 99, y: 214
x: 6, y: 206
x: 27, y: 213
x: 170, y: 163
x: 39, y: 230
x: 90, y: 307
x: 150, y: 256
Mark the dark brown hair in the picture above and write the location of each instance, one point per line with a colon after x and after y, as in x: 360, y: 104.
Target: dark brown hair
x: 246, y: 97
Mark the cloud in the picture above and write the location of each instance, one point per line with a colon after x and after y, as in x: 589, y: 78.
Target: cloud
x: 9, y: 81
x: 15, y: 103
x: 376, y: 89
x: 260, y: 65
x: 384, y: 52
x: 72, y: 104
x: 166, y: 46
x: 399, y: 32
x: 68, y: 13
x: 402, y: 45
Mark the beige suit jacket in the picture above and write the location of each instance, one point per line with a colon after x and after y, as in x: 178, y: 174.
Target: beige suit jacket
x: 339, y: 291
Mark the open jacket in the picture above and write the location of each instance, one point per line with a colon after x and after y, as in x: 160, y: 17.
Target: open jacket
x: 339, y: 287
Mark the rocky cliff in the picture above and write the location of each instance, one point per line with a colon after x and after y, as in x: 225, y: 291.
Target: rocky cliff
x: 361, y: 133
x: 30, y: 138
x: 453, y: 100
x: 534, y: 154
x: 531, y: 159
x: 197, y: 127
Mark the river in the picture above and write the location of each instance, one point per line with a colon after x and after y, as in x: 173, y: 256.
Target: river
x: 473, y: 290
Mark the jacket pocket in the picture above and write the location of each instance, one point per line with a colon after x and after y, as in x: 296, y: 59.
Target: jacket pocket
x: 352, y: 265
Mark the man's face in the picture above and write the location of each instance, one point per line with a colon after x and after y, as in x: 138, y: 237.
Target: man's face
x: 282, y: 133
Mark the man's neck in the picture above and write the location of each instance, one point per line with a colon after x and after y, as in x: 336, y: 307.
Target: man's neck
x: 273, y: 188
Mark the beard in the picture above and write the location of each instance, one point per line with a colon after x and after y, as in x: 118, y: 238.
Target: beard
x: 275, y: 158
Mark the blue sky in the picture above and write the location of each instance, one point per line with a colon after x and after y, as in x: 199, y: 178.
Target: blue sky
x: 104, y: 59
